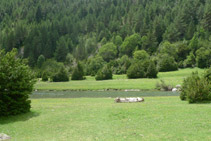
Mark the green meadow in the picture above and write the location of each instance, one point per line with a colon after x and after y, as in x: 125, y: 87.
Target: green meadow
x: 59, y: 114
x: 119, y: 82
x: 88, y: 119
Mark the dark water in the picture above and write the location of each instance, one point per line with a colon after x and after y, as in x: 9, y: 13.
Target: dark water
x: 99, y: 94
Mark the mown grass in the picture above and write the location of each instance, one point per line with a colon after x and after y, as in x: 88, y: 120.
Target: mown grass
x: 88, y: 119
x: 119, y: 82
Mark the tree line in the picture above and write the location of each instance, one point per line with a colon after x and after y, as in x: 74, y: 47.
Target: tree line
x: 51, y: 33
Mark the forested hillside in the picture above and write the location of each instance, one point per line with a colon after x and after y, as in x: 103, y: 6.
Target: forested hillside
x: 108, y: 31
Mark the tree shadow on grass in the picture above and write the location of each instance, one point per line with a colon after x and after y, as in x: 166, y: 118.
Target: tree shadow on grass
x: 203, y: 102
x: 17, y: 118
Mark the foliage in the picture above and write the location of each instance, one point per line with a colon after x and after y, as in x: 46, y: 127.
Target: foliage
x: 196, y: 89
x: 117, y: 40
x: 120, y: 82
x: 168, y: 48
x: 123, y: 64
x: 104, y: 74
x: 40, y: 61
x: 163, y: 86
x: 203, y: 57
x: 190, y: 61
x: 207, y: 74
x: 108, y: 51
x: 140, y: 55
x: 182, y: 50
x: 167, y: 63
x: 136, y: 70
x: 70, y: 60
x: 152, y: 70
x: 16, y: 84
x: 51, y: 66
x: 61, y: 50
x: 40, y: 29
x: 130, y: 44
x: 78, y: 72
x: 149, y: 43
x: 45, y: 76
x: 142, y: 69
x: 61, y: 76
x: 94, y: 64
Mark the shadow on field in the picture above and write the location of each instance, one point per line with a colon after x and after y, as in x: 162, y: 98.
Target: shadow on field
x: 204, y: 102
x: 17, y: 118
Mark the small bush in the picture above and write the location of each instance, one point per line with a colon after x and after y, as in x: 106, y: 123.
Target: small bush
x: 207, y: 75
x: 78, y: 73
x: 52, y: 67
x: 136, y: 70
x: 152, y: 70
x: 93, y: 65
x: 61, y: 76
x: 163, y: 86
x: 142, y: 69
x: 104, y: 74
x: 167, y: 63
x: 45, y: 76
x: 196, y: 89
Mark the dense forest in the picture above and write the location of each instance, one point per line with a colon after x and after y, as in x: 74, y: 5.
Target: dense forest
x: 170, y: 34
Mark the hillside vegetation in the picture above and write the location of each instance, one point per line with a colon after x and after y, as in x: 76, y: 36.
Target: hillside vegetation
x: 173, y: 33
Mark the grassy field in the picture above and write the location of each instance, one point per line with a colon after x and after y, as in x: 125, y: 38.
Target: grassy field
x: 88, y: 119
x: 119, y: 82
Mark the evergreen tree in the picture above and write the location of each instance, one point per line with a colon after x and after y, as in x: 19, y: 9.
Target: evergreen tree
x: 40, y: 61
x: 78, y: 72
x: 61, y: 50
x: 16, y: 84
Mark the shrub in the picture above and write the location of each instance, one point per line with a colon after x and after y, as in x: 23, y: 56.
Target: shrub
x: 78, y: 72
x: 136, y: 70
x: 108, y: 51
x: 140, y: 55
x: 207, y: 74
x: 45, y: 76
x: 51, y: 66
x: 152, y: 70
x: 203, y: 57
x: 61, y: 76
x: 104, y: 74
x: 190, y: 61
x: 16, y: 84
x: 196, y: 89
x: 167, y: 63
x: 163, y: 86
x: 94, y: 64
x: 142, y: 69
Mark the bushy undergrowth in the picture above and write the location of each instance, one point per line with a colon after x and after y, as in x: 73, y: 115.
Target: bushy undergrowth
x: 61, y: 76
x: 197, y: 88
x: 45, y: 76
x: 78, y: 72
x: 163, y: 86
x: 142, y: 69
x: 167, y: 63
x: 104, y: 74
